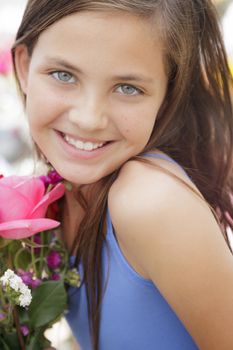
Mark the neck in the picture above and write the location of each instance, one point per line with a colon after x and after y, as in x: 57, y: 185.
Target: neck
x: 73, y: 212
x: 72, y: 216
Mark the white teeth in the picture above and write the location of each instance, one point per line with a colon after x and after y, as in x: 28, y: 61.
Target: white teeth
x: 78, y: 144
x: 87, y: 146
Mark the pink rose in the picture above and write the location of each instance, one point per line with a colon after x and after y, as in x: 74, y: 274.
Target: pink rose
x: 23, y: 206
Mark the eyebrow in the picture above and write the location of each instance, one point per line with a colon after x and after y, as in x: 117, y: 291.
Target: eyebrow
x: 128, y: 77
x: 134, y: 77
x: 61, y: 62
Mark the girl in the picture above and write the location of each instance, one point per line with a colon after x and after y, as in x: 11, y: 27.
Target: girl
x: 129, y: 101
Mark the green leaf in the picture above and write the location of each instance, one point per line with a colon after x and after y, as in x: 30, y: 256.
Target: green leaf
x: 38, y: 341
x: 23, y: 315
x: 3, y: 345
x: 10, y: 341
x: 48, y: 302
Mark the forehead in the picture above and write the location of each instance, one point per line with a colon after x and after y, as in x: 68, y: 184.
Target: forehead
x: 102, y: 36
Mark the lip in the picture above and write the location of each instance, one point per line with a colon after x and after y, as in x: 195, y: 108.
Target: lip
x: 75, y: 153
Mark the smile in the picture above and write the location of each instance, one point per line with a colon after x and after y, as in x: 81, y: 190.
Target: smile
x: 86, y: 146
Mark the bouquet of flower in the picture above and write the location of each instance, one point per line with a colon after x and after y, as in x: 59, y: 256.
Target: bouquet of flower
x: 34, y: 264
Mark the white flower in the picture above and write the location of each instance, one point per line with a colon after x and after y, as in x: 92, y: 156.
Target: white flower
x: 7, y: 275
x: 23, y: 288
x: 25, y: 298
x: 11, y: 279
x: 16, y: 283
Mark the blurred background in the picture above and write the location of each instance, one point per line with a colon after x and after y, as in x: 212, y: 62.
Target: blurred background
x: 15, y: 144
x: 14, y: 141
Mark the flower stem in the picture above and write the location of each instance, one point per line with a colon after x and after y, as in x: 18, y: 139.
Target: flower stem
x: 9, y: 319
x: 2, y: 298
x: 33, y: 259
x: 41, y: 255
x: 20, y: 336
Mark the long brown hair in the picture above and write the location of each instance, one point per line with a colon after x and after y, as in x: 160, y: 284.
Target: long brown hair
x: 194, y: 124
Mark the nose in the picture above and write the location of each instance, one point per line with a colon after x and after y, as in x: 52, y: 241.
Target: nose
x: 89, y: 112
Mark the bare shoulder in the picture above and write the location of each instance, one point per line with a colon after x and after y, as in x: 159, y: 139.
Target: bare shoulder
x: 142, y: 190
x: 170, y: 236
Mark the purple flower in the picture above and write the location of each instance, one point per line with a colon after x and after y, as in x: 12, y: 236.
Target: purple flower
x: 35, y: 283
x: 37, y: 239
x: 24, y: 330
x: 52, y: 178
x: 26, y: 277
x: 55, y: 276
x: 53, y: 259
x: 45, y: 180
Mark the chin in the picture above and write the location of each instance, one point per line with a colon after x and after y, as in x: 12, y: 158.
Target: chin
x: 80, y: 180
x: 83, y: 175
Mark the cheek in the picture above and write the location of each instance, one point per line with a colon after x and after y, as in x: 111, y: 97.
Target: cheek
x: 137, y: 123
x: 40, y: 108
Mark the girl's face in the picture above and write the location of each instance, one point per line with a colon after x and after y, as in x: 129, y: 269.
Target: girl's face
x: 94, y: 85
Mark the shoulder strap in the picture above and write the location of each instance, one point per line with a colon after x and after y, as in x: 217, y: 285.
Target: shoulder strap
x: 167, y: 158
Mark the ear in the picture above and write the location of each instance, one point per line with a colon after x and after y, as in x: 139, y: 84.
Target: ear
x: 22, y: 62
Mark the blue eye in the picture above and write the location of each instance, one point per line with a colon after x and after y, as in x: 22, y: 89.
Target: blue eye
x: 64, y: 77
x: 129, y: 90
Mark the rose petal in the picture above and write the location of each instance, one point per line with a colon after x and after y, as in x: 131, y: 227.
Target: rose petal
x: 26, y: 228
x: 29, y: 186
x: 13, y: 205
x: 13, y: 180
x: 50, y: 197
x: 32, y: 188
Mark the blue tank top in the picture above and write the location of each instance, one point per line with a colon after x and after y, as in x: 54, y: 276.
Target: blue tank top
x: 134, y: 314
